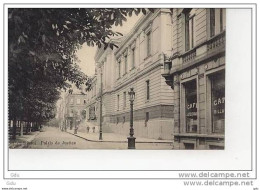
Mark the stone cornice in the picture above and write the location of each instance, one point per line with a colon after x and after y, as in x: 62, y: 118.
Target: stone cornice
x: 100, y: 51
x: 218, y: 53
x: 220, y: 136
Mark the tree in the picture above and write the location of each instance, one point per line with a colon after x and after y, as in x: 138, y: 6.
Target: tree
x: 41, y: 54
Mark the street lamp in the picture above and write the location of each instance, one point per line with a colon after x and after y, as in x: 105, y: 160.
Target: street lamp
x: 131, y: 138
x: 100, y: 110
x: 75, y: 118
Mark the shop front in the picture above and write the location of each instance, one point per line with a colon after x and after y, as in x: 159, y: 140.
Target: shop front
x: 200, y: 102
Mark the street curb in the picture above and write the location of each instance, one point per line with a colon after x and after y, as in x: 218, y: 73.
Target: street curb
x: 167, y: 142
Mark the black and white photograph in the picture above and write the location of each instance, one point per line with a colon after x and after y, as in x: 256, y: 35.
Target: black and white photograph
x: 116, y: 78
x: 129, y: 95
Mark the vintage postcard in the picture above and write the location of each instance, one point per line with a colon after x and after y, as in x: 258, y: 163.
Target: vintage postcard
x: 116, y: 78
x: 129, y: 91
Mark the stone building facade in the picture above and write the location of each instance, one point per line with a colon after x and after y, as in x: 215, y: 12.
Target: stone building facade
x: 196, y: 72
x: 175, y: 61
x: 139, y: 63
x: 75, y: 109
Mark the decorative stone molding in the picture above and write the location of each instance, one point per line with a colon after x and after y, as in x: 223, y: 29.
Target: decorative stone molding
x: 148, y: 28
x: 125, y: 52
x: 201, y: 76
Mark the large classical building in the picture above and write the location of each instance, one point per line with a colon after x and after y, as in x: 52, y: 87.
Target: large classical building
x: 175, y: 61
x: 138, y: 63
x: 196, y: 72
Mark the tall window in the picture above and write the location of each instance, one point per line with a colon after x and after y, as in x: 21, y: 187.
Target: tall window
x: 212, y: 22
x: 146, y: 118
x: 118, y: 102
x: 147, y: 89
x: 133, y: 57
x: 71, y: 101
x: 71, y: 113
x: 218, y: 102
x: 221, y: 19
x: 78, y: 101
x: 189, y: 30
x: 149, y: 47
x: 191, y: 106
x: 126, y: 64
x: 217, y: 21
x: 119, y: 69
x: 92, y: 113
x: 124, y: 100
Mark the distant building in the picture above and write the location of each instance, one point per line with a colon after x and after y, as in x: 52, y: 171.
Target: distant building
x: 75, y: 109
x: 196, y: 73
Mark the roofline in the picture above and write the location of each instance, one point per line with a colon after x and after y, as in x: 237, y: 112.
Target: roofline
x: 77, y: 94
x: 133, y: 30
x: 101, y: 50
x: 138, y: 27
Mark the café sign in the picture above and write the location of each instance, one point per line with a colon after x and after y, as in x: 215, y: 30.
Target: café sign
x: 192, y: 105
x: 219, y: 101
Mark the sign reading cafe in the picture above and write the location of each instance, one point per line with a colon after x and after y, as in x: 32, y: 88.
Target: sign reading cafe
x: 219, y: 105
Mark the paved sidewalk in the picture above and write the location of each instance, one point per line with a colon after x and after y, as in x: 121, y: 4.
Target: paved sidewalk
x: 113, y: 137
x: 23, y: 141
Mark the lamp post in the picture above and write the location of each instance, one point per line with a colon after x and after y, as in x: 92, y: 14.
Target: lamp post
x: 75, y: 118
x: 100, y: 110
x: 131, y: 138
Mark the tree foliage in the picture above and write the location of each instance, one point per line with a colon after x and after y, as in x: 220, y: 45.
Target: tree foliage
x: 42, y: 45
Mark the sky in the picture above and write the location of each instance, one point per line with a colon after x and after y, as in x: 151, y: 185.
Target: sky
x: 86, y: 54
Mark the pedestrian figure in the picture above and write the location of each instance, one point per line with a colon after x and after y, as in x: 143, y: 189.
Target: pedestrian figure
x: 75, y: 130
x: 87, y: 129
x: 93, y: 129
